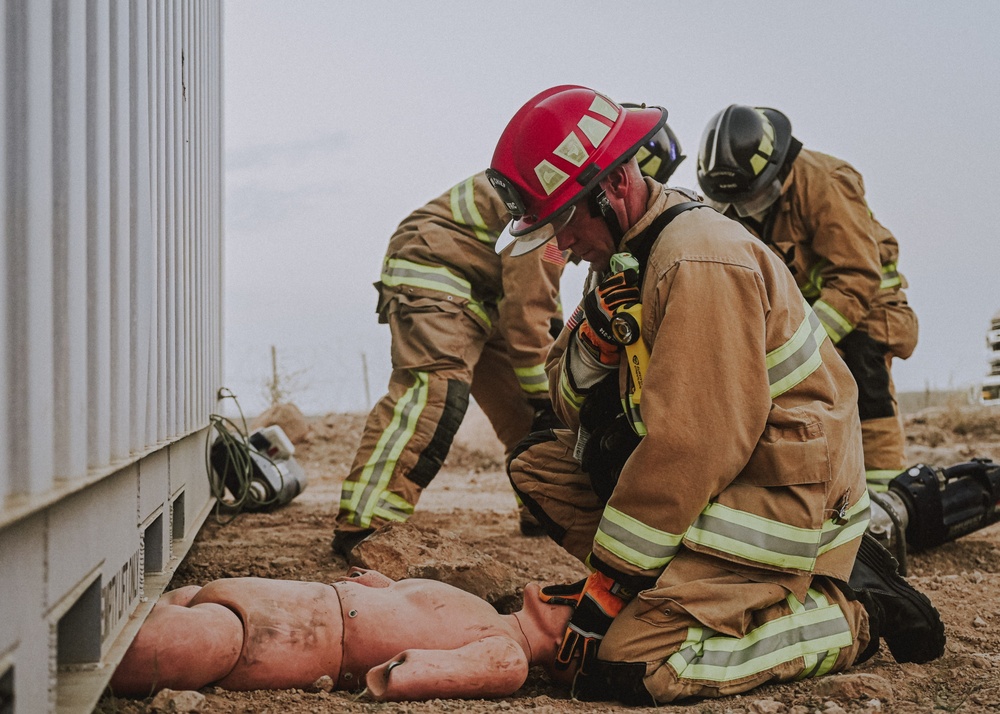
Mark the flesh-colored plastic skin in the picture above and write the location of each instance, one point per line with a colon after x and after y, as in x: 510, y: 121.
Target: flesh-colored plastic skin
x: 407, y: 640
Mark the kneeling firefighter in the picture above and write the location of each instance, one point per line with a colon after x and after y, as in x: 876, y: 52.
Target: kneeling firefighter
x: 728, y: 549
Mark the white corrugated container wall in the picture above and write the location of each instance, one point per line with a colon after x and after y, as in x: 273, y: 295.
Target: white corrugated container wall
x: 111, y: 190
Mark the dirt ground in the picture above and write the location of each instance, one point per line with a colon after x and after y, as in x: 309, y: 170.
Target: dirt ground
x: 471, y: 497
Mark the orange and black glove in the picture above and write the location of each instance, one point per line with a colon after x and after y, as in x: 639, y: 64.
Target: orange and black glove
x: 599, y: 305
x: 600, y: 601
x: 568, y: 594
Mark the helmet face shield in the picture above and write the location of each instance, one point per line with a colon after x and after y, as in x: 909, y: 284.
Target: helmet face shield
x: 759, y: 202
x: 527, y: 242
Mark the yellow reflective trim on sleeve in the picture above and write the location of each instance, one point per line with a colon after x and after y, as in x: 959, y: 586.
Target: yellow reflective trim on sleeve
x: 890, y: 277
x: 792, y: 362
x: 573, y: 398
x: 464, y: 211
x: 533, y: 380
x: 836, y: 325
x: 635, y: 542
x: 814, y: 280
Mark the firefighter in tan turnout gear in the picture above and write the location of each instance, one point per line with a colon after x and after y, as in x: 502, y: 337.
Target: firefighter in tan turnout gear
x: 810, y: 209
x: 727, y: 546
x: 463, y: 319
x: 457, y: 329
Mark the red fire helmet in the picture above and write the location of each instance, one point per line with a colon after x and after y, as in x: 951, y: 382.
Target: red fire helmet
x: 556, y: 149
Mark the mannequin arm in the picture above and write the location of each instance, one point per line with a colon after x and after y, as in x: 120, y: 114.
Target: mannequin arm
x: 490, y: 667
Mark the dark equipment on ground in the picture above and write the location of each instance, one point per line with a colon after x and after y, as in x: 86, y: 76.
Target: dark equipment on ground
x: 259, y: 473
x: 932, y: 506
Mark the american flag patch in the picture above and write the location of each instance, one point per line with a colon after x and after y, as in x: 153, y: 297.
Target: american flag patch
x: 552, y: 254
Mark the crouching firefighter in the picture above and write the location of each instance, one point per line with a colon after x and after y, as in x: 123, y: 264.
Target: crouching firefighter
x: 728, y: 548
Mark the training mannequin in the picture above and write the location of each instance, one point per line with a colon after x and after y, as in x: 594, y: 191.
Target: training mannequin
x: 408, y: 640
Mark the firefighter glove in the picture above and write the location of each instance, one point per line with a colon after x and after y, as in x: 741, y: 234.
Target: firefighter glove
x: 599, y: 305
x: 563, y: 594
x: 545, y: 417
x: 615, y: 291
x: 600, y: 602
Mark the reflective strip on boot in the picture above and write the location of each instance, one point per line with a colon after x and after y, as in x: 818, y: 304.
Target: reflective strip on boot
x: 813, y: 631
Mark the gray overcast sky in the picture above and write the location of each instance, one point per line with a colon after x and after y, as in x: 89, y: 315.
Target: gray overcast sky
x: 342, y: 117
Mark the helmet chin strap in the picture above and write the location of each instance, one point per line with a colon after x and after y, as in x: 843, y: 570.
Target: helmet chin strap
x: 600, y: 207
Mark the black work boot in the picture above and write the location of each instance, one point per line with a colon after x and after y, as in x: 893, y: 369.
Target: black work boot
x: 897, y: 611
x: 345, y: 541
x: 528, y: 524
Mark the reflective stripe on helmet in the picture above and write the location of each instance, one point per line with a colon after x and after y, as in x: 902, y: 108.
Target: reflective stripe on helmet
x: 741, y: 152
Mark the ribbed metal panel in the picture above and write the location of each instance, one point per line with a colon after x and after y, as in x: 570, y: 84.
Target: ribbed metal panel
x: 111, y: 198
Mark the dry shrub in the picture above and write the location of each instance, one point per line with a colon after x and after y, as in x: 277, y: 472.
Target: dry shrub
x: 968, y: 422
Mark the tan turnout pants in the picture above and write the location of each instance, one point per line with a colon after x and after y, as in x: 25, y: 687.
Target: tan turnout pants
x: 708, y: 627
x: 440, y: 353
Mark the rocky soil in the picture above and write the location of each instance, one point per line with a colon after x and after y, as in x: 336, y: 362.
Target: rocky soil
x: 472, y: 499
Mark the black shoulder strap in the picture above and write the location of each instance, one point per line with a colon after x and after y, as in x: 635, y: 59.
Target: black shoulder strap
x: 642, y: 244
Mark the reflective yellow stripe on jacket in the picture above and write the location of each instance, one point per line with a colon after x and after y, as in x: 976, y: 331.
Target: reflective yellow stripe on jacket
x: 786, y: 366
x: 738, y: 533
x: 397, y: 272
x: 728, y: 530
x: 795, y: 360
x: 465, y: 213
x: 838, y: 326
x: 891, y: 278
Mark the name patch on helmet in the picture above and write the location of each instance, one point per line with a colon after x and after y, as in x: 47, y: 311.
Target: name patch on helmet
x: 507, y: 193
